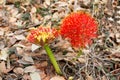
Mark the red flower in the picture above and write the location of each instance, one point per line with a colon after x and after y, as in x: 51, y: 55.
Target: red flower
x: 79, y: 28
x: 41, y: 35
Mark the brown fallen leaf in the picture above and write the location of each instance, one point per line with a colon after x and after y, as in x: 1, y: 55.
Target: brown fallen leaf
x: 1, y: 32
x: 44, y: 76
x: 115, y: 71
x: 20, y: 51
x: 26, y: 60
x: 3, y: 68
x: 57, y: 78
x: 35, y: 76
x: 41, y: 65
x: 117, y: 35
x: 1, y: 78
x: 34, y: 47
x: 26, y: 77
x: 4, y: 54
x: 30, y: 69
x: 19, y: 70
x: 82, y: 60
x: 104, y: 78
x: 11, y: 40
x: 20, y: 37
x: 89, y: 77
x: 2, y: 2
x: 115, y: 56
x: 2, y: 45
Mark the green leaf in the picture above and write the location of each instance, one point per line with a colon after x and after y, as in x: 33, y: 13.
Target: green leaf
x: 17, y: 4
x: 25, y: 16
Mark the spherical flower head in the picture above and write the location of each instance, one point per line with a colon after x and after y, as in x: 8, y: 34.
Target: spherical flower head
x: 80, y: 28
x: 42, y: 35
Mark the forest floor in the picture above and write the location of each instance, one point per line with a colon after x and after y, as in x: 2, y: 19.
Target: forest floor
x: 21, y: 60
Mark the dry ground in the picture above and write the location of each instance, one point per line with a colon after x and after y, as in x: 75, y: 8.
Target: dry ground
x: 21, y: 60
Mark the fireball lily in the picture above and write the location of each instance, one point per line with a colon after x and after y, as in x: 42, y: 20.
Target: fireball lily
x: 42, y: 36
x: 80, y: 28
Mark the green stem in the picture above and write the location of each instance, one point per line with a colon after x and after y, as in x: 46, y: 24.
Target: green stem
x: 79, y: 53
x: 52, y: 59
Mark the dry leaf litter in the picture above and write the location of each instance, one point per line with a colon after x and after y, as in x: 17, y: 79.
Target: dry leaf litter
x: 20, y: 60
